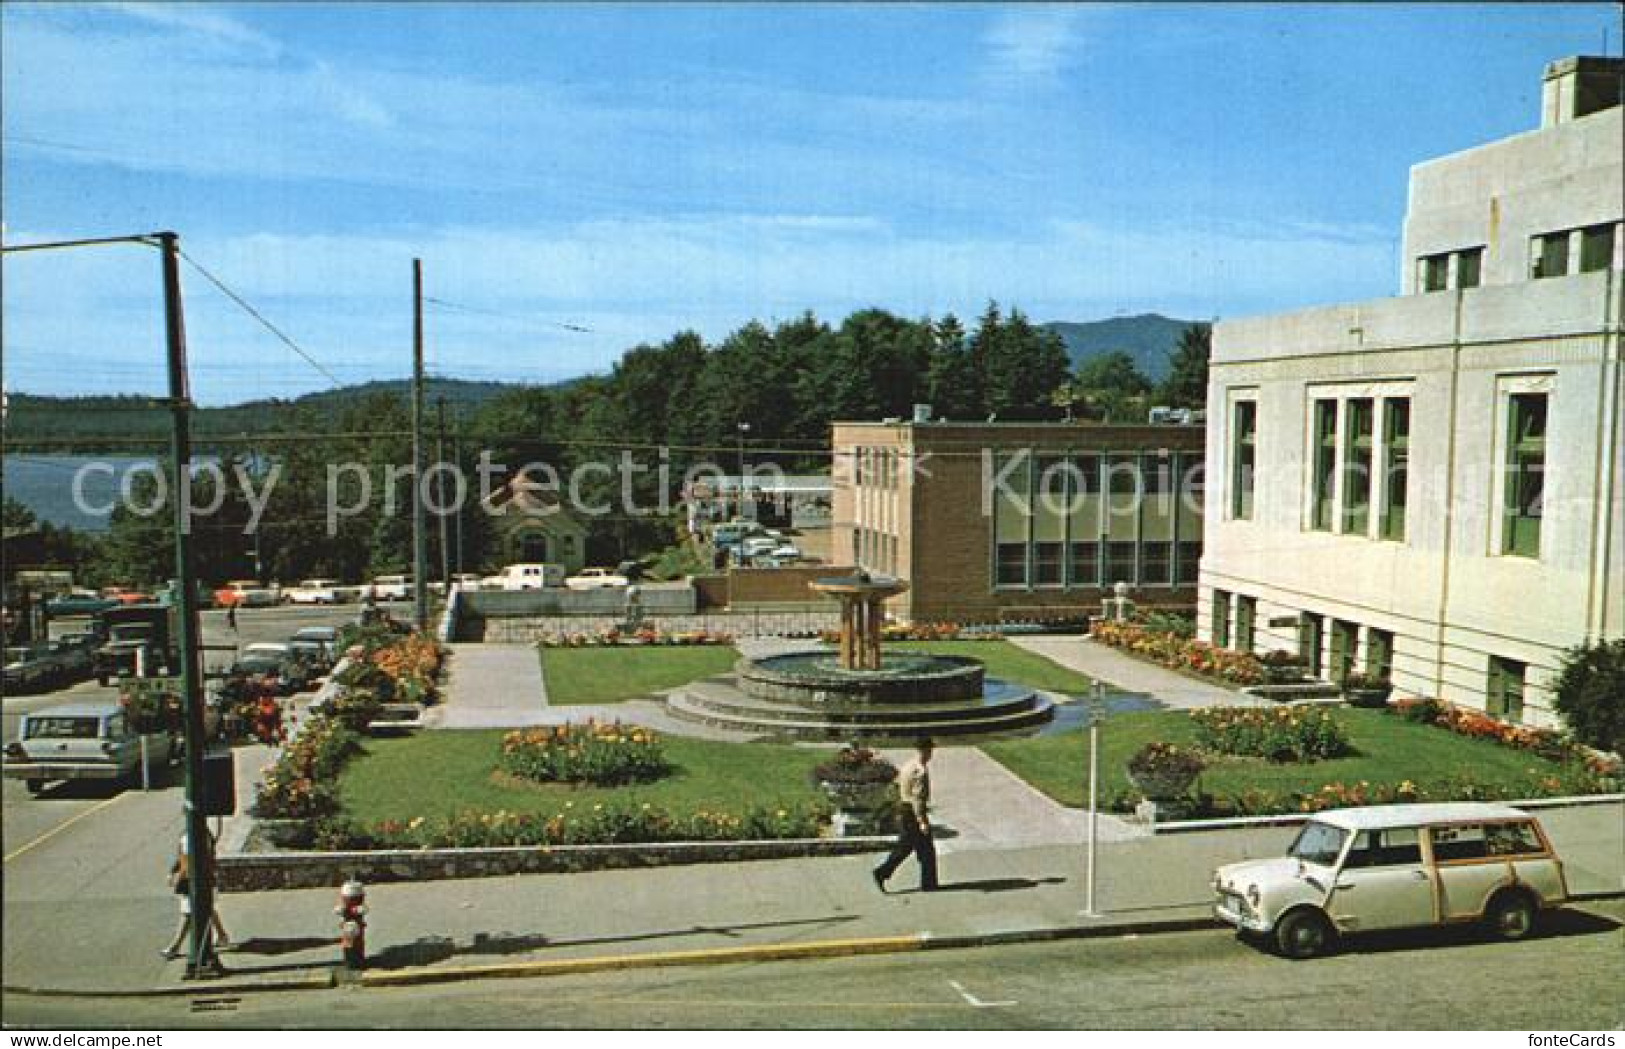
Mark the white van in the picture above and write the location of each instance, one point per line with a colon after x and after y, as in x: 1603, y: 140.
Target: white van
x: 531, y: 577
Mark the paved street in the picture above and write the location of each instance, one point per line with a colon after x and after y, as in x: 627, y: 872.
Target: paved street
x: 1568, y: 980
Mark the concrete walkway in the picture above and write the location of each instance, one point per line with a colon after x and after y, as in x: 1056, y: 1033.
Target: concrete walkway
x: 493, y: 686
x: 1132, y: 675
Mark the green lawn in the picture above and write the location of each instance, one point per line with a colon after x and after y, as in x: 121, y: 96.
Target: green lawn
x: 437, y: 774
x: 610, y: 674
x: 1388, y: 749
x: 1008, y: 662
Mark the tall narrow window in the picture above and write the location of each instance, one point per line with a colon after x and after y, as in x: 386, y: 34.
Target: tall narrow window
x: 1243, y: 434
x: 1469, y: 268
x: 1396, y: 426
x: 1051, y: 490
x: 1434, y: 271
x: 1325, y: 463
x: 1012, y: 521
x: 1246, y: 615
x: 1504, y: 696
x: 1379, y: 653
x: 1550, y: 255
x: 1309, y: 630
x: 1345, y: 636
x: 1220, y: 624
x: 1357, y: 467
x: 1525, y: 474
x: 1596, y: 248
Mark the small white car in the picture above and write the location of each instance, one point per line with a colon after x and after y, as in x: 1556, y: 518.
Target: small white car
x: 392, y: 588
x: 313, y: 592
x: 596, y: 579
x: 1392, y: 867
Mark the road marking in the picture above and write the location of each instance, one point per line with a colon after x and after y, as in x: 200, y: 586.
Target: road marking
x: 60, y: 827
x: 975, y: 1001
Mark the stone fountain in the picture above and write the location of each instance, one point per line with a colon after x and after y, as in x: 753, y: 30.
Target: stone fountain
x: 859, y: 691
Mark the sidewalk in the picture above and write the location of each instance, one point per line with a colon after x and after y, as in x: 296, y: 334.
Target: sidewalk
x: 706, y: 912
x: 1131, y: 675
x: 493, y: 686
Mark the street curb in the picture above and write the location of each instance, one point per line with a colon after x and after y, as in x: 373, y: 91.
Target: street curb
x: 312, y: 981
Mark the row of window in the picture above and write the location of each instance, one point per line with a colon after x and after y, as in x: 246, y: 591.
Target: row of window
x: 1555, y: 254
x: 1359, y: 485
x: 1093, y: 519
x: 876, y: 467
x: 1330, y: 649
x: 875, y: 550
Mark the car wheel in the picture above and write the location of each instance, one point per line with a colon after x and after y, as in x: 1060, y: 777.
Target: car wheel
x: 101, y: 679
x: 35, y: 786
x: 1511, y: 915
x: 1304, y: 934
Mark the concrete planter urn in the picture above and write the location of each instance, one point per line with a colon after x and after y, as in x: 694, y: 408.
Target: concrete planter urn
x: 858, y: 783
x: 1369, y: 692
x: 1282, y: 667
x: 1163, y: 772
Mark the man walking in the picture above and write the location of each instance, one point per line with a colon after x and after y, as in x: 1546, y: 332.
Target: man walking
x: 914, y: 829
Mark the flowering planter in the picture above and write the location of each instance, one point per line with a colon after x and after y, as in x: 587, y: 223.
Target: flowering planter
x: 1372, y: 698
x: 1162, y: 785
x: 1282, y: 675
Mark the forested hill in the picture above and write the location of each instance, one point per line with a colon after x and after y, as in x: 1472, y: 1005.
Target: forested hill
x: 1148, y: 338
x: 31, y: 417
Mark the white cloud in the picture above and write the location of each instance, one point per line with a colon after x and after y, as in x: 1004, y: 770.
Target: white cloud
x: 1031, y: 45
x: 198, y: 20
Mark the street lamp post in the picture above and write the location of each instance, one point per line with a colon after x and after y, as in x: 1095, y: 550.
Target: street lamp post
x: 744, y: 429
x: 1097, y: 711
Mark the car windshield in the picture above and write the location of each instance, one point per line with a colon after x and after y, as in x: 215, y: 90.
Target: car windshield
x: 62, y: 728
x: 1318, y: 843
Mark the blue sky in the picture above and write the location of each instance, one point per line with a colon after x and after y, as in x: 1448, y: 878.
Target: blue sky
x: 635, y: 170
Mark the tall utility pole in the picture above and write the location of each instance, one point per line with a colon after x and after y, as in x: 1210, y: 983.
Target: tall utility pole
x: 457, y: 456
x: 200, y: 958
x: 420, y: 537
x: 440, y: 495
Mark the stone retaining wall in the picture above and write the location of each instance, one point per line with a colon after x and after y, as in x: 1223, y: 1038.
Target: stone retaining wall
x: 740, y: 624
x: 260, y: 872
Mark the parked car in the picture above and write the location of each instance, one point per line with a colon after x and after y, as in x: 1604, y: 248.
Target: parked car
x: 248, y: 593
x: 1395, y: 866
x: 318, y: 655
x: 74, y: 661
x: 326, y: 636
x: 87, y: 740
x: 78, y: 603
x: 137, y: 636
x: 392, y: 588
x: 528, y: 577
x: 313, y: 592
x: 125, y: 595
x: 294, y: 670
x: 28, y: 667
x: 596, y: 579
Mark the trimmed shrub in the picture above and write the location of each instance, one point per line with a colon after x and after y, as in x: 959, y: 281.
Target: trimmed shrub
x: 1590, y: 694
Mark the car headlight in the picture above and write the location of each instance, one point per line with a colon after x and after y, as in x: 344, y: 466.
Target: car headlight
x: 1252, y: 895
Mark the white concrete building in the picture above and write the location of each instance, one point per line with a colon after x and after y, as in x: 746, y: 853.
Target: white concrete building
x: 1430, y: 486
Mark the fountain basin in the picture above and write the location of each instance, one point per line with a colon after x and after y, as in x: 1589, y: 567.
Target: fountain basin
x: 817, y: 678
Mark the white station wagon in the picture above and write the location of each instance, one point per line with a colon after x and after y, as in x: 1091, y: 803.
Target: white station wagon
x: 1393, y: 867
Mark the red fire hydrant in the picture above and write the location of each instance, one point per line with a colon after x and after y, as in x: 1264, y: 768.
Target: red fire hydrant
x: 352, y: 912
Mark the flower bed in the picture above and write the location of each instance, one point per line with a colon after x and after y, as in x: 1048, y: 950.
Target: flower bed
x: 299, y: 785
x: 599, y: 824
x: 1475, y: 724
x: 1178, y: 653
x: 604, y: 755
x: 1277, y: 734
x: 643, y: 636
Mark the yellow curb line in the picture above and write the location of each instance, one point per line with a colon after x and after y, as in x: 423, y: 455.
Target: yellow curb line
x: 709, y: 956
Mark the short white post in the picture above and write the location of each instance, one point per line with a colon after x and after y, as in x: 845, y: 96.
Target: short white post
x: 146, y: 770
x: 1096, y: 709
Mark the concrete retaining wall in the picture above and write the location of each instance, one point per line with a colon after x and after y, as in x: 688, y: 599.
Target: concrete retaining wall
x: 258, y: 872
x: 610, y: 601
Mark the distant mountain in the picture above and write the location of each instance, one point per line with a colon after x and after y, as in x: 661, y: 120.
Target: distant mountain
x: 76, y: 419
x: 1149, y: 338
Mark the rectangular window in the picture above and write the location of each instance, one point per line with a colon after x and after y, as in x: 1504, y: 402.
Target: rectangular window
x: 1309, y: 630
x: 1550, y: 255
x: 1220, y: 624
x: 1120, y: 562
x: 1469, y: 268
x: 1379, y: 653
x: 1190, y: 564
x: 1243, y: 434
x: 1596, y: 248
x: 1012, y: 564
x: 1357, y: 467
x: 1246, y: 614
x: 1525, y: 474
x: 1504, y: 697
x: 1435, y: 270
x: 1156, y: 563
x: 1084, y: 569
x: 1047, y: 564
x: 1324, y: 463
x: 1345, y: 636
x: 1396, y: 425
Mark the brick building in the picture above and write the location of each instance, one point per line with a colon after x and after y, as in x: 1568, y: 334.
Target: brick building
x: 1019, y: 521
